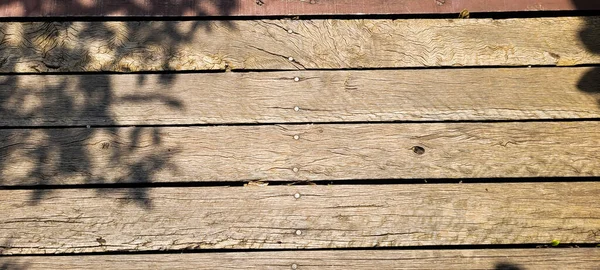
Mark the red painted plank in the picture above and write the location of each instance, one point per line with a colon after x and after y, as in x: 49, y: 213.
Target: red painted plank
x: 43, y: 8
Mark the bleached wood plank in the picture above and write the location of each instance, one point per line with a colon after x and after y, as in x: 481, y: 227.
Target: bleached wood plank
x: 299, y: 152
x: 347, y: 259
x: 273, y: 217
x: 322, y: 96
x: 293, y: 44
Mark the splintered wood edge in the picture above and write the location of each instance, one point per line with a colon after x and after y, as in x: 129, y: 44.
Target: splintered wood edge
x: 297, y: 217
x: 581, y: 258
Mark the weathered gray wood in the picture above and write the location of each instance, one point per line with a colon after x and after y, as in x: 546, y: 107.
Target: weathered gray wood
x: 559, y: 259
x: 86, y: 220
x: 299, y: 152
x: 293, y: 44
x: 322, y: 96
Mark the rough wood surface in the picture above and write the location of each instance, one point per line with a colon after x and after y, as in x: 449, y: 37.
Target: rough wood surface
x: 500, y: 259
x: 40, y: 8
x: 322, y: 96
x: 294, y: 44
x: 86, y: 220
x: 299, y: 152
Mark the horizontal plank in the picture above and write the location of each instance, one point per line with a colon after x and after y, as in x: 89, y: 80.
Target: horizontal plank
x: 299, y: 152
x: 321, y: 96
x: 157, y: 8
x: 298, y: 217
x: 581, y: 258
x: 294, y: 44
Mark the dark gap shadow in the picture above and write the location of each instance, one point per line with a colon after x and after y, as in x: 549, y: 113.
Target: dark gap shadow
x: 71, y: 155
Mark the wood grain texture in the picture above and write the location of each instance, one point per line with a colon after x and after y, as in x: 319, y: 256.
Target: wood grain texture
x: 322, y: 96
x: 299, y: 152
x: 87, y: 220
x: 159, y: 8
x: 340, y: 259
x: 314, y: 44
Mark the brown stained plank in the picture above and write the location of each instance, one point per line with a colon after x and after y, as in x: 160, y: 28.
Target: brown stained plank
x: 39, y: 8
x: 268, y: 44
x: 299, y: 152
x: 323, y: 96
x: 580, y: 258
x: 87, y: 220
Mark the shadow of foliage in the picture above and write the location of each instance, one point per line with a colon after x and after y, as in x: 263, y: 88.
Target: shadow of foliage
x: 123, y: 7
x: 507, y: 266
x: 59, y: 129
x: 590, y: 37
x: 10, y: 263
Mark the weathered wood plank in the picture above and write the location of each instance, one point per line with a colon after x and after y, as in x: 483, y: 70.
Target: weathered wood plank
x: 86, y: 220
x: 157, y: 8
x: 293, y: 44
x: 299, y: 152
x: 580, y: 258
x: 323, y: 96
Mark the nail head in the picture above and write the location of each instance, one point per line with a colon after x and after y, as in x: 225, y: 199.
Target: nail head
x: 296, y: 79
x: 297, y: 195
x: 296, y: 137
x: 290, y: 31
x: 296, y: 108
x: 295, y: 169
x: 291, y: 58
x: 294, y: 266
x: 298, y: 232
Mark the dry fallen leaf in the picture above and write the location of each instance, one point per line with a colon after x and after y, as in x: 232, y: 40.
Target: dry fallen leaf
x: 256, y: 184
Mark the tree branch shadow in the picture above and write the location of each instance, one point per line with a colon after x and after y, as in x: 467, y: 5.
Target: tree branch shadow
x: 590, y: 37
x: 8, y: 263
x: 507, y: 266
x: 44, y: 140
x: 125, y: 7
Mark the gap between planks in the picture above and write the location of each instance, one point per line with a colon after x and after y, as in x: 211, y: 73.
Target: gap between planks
x: 297, y: 217
x: 296, y: 44
x: 342, y: 259
x: 319, y: 96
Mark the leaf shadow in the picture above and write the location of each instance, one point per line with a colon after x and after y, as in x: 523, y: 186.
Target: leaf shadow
x: 60, y: 129
x: 507, y: 266
x: 590, y: 37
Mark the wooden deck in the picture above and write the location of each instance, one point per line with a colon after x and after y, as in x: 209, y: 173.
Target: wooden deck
x: 192, y: 8
x: 355, y: 142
